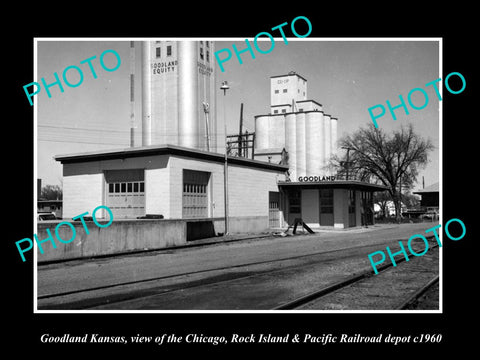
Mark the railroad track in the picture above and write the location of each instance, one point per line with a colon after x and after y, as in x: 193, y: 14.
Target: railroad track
x: 229, y: 284
x: 214, y: 275
x: 348, y: 287
x: 412, y: 301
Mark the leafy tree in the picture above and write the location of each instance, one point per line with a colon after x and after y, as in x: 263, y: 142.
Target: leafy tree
x: 51, y: 192
x: 391, y: 160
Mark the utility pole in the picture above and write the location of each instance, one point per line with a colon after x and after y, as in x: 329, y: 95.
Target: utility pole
x: 225, y: 87
x: 347, y: 163
x: 132, y: 93
x: 240, y: 136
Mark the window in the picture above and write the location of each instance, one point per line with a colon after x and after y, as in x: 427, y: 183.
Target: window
x: 284, y: 90
x: 126, y: 187
x: 201, y: 53
x: 277, y: 91
x: 208, y: 44
x: 284, y: 111
x: 275, y: 111
x: 301, y: 110
x: 169, y: 50
x: 326, y: 201
x: 208, y: 56
x: 157, y: 52
x: 273, y: 209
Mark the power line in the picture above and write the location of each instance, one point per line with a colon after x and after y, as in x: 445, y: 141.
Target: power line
x: 84, y: 142
x: 85, y: 129
x: 159, y: 132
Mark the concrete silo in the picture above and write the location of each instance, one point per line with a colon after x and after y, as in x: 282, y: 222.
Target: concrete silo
x: 301, y: 164
x: 178, y: 100
x: 327, y: 137
x: 262, y: 127
x: 188, y: 124
x: 291, y: 143
x: 333, y: 136
x: 313, y: 142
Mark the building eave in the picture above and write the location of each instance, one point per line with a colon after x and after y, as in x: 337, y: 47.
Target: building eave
x: 166, y: 149
x: 336, y: 184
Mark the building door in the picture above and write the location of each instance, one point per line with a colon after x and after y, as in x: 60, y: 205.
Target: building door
x: 195, y: 199
x: 367, y: 208
x: 352, y: 217
x: 294, y: 205
x: 274, y: 209
x: 125, y: 193
x: 326, y: 207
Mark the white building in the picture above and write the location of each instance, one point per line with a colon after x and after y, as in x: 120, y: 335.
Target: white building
x: 172, y: 181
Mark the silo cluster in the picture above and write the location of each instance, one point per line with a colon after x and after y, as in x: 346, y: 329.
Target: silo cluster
x: 307, y: 134
x: 308, y: 137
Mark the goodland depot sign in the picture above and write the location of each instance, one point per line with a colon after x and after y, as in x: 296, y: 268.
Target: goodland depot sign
x: 316, y: 178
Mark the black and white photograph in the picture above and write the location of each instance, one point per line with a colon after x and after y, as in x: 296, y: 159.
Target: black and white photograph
x: 242, y: 182
x: 174, y: 185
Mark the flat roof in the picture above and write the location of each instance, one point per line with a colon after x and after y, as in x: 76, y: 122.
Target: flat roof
x: 167, y: 149
x: 332, y: 184
x: 302, y: 101
x: 291, y: 73
x: 429, y: 189
x: 293, y: 112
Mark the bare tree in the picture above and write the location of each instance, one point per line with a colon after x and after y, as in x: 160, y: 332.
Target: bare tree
x: 392, y: 160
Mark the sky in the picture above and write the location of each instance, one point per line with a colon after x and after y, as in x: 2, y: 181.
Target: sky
x: 346, y: 77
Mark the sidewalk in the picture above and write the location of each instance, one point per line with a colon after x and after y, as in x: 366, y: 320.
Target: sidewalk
x: 325, y: 234
x: 276, y: 233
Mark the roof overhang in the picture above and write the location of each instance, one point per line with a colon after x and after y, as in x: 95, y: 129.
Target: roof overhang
x: 335, y: 184
x: 167, y: 149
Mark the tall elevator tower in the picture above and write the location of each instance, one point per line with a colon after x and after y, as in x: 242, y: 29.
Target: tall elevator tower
x: 299, y: 126
x: 178, y: 99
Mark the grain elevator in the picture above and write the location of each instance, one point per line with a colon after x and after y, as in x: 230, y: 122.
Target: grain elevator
x: 299, y: 126
x: 178, y: 94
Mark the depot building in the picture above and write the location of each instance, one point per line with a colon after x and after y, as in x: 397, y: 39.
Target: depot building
x: 182, y: 183
x: 174, y: 182
x: 331, y: 203
x: 297, y: 131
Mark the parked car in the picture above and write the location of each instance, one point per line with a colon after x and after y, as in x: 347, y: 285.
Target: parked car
x: 46, y: 216
x: 429, y: 216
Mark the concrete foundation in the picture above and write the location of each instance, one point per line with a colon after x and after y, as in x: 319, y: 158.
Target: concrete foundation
x: 121, y: 236
x: 124, y: 236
